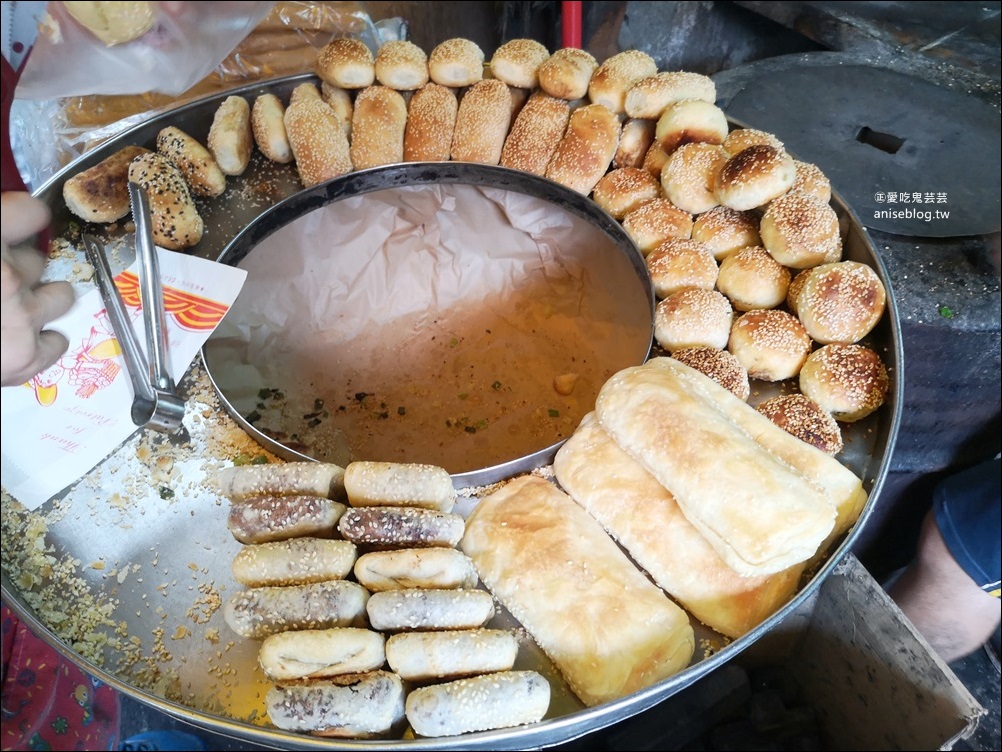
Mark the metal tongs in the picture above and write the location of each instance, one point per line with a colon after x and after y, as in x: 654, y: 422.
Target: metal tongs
x: 155, y: 403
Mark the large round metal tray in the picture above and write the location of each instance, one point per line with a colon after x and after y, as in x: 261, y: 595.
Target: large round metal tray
x: 164, y: 560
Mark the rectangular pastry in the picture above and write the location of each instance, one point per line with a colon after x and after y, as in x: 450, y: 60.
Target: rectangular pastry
x: 644, y: 518
x: 607, y: 628
x: 758, y: 511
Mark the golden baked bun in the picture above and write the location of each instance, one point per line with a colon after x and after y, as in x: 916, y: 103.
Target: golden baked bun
x: 741, y: 138
x: 655, y: 159
x: 793, y: 292
x: 535, y: 133
x: 517, y: 62
x: 677, y: 264
x: 114, y: 22
x: 634, y: 142
x: 587, y: 148
x: 752, y: 279
x: 651, y: 224
x: 431, y: 122
x: 849, y: 381
x: 401, y: 65
x: 770, y: 343
x: 691, y: 121
x: 622, y: 190
x: 346, y: 62
x: 725, y: 230
x: 319, y: 144
x: 800, y: 416
x: 689, y: 174
x: 194, y: 161
x: 101, y: 193
x: 840, y: 302
x: 482, y: 122
x: 649, y: 96
x: 341, y: 102
x: 268, y: 125
x: 303, y: 91
x: 566, y: 73
x: 456, y: 62
x: 800, y: 230
x: 693, y: 317
x: 175, y: 220
x: 754, y: 176
x: 810, y: 179
x: 231, y: 137
x: 719, y: 365
x: 377, y: 127
x: 614, y: 77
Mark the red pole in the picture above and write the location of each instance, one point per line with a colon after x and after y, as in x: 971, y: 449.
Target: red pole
x: 570, y: 17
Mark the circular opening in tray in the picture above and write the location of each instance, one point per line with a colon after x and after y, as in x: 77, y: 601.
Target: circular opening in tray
x: 454, y: 314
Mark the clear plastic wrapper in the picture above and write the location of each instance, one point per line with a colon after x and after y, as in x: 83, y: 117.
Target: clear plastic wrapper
x: 284, y: 39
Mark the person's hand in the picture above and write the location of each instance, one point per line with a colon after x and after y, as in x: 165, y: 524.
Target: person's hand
x: 26, y: 305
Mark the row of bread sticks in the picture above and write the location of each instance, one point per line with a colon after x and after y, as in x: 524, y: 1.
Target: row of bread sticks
x: 369, y: 617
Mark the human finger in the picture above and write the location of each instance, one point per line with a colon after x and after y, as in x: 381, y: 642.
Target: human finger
x: 23, y: 216
x: 26, y: 263
x: 49, y: 347
x: 51, y: 301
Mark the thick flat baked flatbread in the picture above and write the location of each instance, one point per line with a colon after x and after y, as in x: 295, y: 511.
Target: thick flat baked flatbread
x: 759, y: 511
x: 644, y: 518
x: 608, y: 629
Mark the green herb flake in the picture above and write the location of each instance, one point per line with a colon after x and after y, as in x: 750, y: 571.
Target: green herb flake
x: 453, y: 342
x: 470, y: 429
x: 166, y: 492
x: 496, y: 386
x: 401, y: 410
x: 259, y: 460
x: 264, y: 393
x: 464, y: 395
x: 946, y: 312
x: 553, y: 413
x: 253, y: 416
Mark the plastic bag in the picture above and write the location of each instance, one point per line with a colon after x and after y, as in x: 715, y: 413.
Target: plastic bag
x: 186, y: 42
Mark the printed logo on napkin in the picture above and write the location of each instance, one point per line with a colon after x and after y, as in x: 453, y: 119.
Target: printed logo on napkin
x: 68, y: 418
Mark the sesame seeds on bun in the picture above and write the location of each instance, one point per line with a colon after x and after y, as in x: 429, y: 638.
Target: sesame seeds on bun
x: 800, y: 230
x: 754, y: 177
x: 849, y: 381
x: 804, y: 418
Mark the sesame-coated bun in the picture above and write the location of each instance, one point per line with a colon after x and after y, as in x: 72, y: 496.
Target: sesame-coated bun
x: 849, y: 381
x: 401, y: 65
x: 752, y: 279
x: 535, y: 133
x: 346, y: 62
x: 339, y: 100
x: 585, y: 152
x: 566, y: 73
x: 719, y: 365
x: 377, y: 127
x: 770, y: 343
x: 800, y: 416
x: 517, y: 62
x: 841, y: 302
x: 613, y: 78
x: 693, y: 317
x: 800, y: 230
x: 634, y: 143
x: 754, y: 177
x: 655, y: 222
x: 649, y: 96
x: 431, y: 122
x: 741, y: 138
x: 688, y: 176
x: 456, y: 62
x: 482, y: 122
x: 796, y: 287
x: 175, y: 220
x: 677, y: 264
x: 655, y: 159
x: 810, y: 179
x: 725, y: 230
x: 691, y: 121
x: 621, y: 191
x: 307, y: 90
